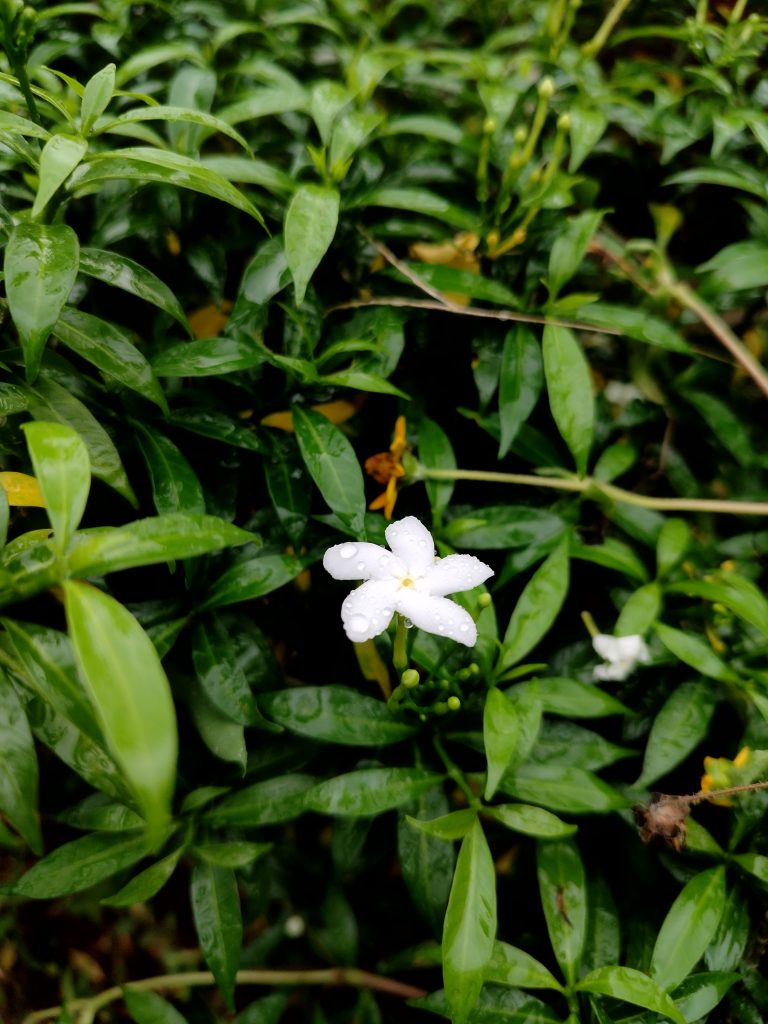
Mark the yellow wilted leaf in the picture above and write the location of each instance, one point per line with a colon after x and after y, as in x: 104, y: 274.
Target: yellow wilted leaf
x: 372, y: 666
x: 21, y: 489
x: 459, y: 254
x: 337, y: 412
x: 210, y: 320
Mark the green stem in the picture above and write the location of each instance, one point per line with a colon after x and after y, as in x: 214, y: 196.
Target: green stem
x: 85, y: 1009
x: 400, y: 647
x: 21, y: 73
x: 600, y: 38
x: 592, y: 488
x: 454, y: 773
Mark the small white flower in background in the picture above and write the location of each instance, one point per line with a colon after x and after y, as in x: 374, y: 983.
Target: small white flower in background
x: 409, y: 579
x: 621, y: 655
x: 618, y: 393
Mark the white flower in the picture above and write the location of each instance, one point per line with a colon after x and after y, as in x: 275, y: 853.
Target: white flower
x: 621, y: 654
x: 409, y: 580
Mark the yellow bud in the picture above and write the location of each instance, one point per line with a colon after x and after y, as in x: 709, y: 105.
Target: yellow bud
x: 453, y: 703
x: 410, y: 678
x: 546, y: 88
x: 484, y: 600
x: 564, y: 122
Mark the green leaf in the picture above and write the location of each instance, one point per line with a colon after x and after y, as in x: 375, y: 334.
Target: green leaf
x: 97, y: 95
x: 310, y: 224
x: 726, y: 951
x: 18, y: 767
x: 111, y: 351
x: 150, y: 1008
x: 99, y: 813
x: 223, y: 737
x: 290, y: 491
x: 562, y: 886
x: 333, y: 465
x: 50, y: 401
x: 631, y: 986
x: 469, y: 931
x: 218, y: 922
x: 335, y: 714
x: 448, y: 826
x: 252, y: 578
x: 520, y: 381
x: 427, y: 862
x: 613, y: 554
x: 62, y: 467
x: 150, y: 541
x: 569, y: 247
x: 263, y: 803
x: 700, y: 993
x: 532, y: 821
x: 437, y: 452
x: 517, y: 969
x: 694, y: 652
x: 638, y: 324
x: 614, y: 461
x: 537, y: 607
x: 738, y: 594
x: 60, y: 156
x: 639, y: 611
x: 217, y: 426
x: 575, y: 792
x: 453, y: 281
x: 574, y: 699
x: 143, y: 164
x: 677, y: 730
x: 210, y: 357
x: 232, y: 854
x: 738, y: 266
x: 569, y: 387
x: 146, y: 884
x: 41, y: 262
x: 369, y: 791
x: 503, y: 526
x: 417, y: 200
x: 80, y: 864
x: 671, y: 545
x: 263, y: 102
x: 586, y: 129
x: 131, y: 277
x: 122, y: 672
x: 221, y: 677
x: 174, y: 115
x: 500, y: 735
x: 688, y: 927
x: 175, y: 487
x: 603, y: 942
x: 361, y: 381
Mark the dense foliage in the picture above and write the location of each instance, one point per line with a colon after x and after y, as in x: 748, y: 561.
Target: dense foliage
x: 272, y: 272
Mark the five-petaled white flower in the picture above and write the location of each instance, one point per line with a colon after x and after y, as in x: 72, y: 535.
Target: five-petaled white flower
x: 621, y: 655
x: 409, y: 579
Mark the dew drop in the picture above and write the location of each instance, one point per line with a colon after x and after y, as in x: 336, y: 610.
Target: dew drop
x: 360, y: 566
x: 408, y: 624
x: 347, y: 550
x: 358, y: 624
x: 441, y: 628
x: 464, y: 628
x: 422, y: 543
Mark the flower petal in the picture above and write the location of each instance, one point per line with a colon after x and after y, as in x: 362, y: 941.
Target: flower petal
x: 621, y: 648
x: 412, y: 542
x: 369, y: 609
x: 357, y: 560
x: 454, y: 573
x: 437, y: 615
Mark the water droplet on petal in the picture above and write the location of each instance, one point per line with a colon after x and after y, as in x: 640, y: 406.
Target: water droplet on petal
x: 360, y: 566
x: 347, y: 550
x: 408, y: 624
x: 358, y: 624
x: 464, y: 628
x: 422, y: 543
x: 441, y: 628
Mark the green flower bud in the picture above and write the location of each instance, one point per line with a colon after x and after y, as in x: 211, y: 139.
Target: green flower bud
x: 564, y: 122
x: 520, y: 135
x: 440, y: 708
x: 410, y: 678
x: 453, y: 703
x: 484, y: 601
x: 546, y: 88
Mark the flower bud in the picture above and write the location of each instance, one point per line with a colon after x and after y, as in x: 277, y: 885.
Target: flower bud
x: 484, y: 601
x: 490, y: 126
x: 546, y: 88
x: 520, y: 135
x: 410, y: 678
x: 564, y: 122
x: 453, y: 703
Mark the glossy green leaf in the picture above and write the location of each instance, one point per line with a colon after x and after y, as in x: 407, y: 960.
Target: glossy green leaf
x: 688, y: 928
x: 145, y: 164
x: 99, y: 813
x: 332, y: 464
x: 210, y: 357
x: 502, y: 527
x: 263, y: 803
x: 672, y: 544
x: 520, y: 381
x: 569, y: 387
x: 448, y: 826
x: 562, y: 886
x: 537, y: 607
x: 631, y: 986
x: 147, y: 1007
x: 224, y: 738
x: 639, y: 611
x: 574, y: 699
x: 263, y: 102
x: 252, y: 578
x: 50, y: 401
x: 221, y: 677
x: 469, y: 931
x: 369, y: 791
x: 637, y: 324
x: 437, y: 452
x: 126, y: 682
x: 175, y: 487
x: 82, y: 863
x: 532, y: 821
x: 218, y: 922
x: 575, y: 792
x: 120, y: 272
x: 678, y: 728
x: 726, y: 950
x: 517, y: 969
x: 150, y: 541
x: 60, y: 156
x: 290, y: 491
x: 614, y: 461
x: 232, y: 854
x: 97, y: 95
x: 153, y: 56
x: 613, y: 554
x: 696, y: 653
x: 18, y: 767
x: 41, y: 262
x: 603, y: 942
x: 335, y: 714
x: 310, y: 224
x: 569, y: 247
x: 700, y: 993
x: 62, y: 467
x: 218, y: 426
x: 173, y: 115
x: 738, y: 266
x: 109, y: 349
x: 498, y: 1005
x: 427, y: 861
x: 418, y: 200
x: 147, y: 883
x: 500, y: 735
x: 586, y: 129
x: 739, y: 594
x: 453, y: 281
